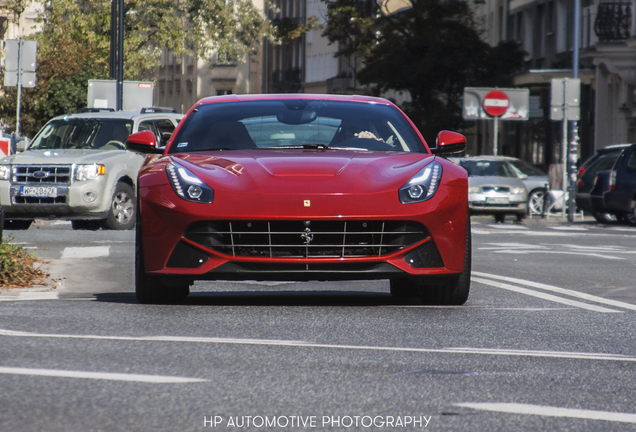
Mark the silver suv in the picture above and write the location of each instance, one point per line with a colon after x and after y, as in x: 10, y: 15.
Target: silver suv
x: 77, y: 167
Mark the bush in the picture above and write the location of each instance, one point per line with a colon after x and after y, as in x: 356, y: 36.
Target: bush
x: 16, y: 267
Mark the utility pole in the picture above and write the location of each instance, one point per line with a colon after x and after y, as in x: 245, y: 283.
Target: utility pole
x: 574, y: 142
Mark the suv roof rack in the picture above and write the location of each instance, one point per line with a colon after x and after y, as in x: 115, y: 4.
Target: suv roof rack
x: 158, y: 110
x: 94, y: 110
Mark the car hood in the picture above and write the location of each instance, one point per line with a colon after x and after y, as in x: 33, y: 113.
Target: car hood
x: 495, y: 181
x: 305, y: 171
x: 78, y: 156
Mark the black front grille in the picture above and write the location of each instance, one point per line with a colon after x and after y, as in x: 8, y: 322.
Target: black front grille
x: 38, y: 200
x: 291, y: 239
x: 495, y: 189
x: 50, y: 174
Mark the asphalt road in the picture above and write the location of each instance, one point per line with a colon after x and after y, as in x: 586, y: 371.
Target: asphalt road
x: 545, y: 342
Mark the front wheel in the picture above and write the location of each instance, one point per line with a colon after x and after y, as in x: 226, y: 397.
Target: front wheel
x: 121, y: 215
x: 535, y: 202
x: 455, y: 290
x: 148, y: 288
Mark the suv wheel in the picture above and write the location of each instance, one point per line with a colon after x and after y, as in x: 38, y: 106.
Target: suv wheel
x: 630, y: 217
x: 121, y: 215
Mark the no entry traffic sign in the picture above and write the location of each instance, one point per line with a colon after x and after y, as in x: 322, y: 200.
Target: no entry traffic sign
x: 496, y: 103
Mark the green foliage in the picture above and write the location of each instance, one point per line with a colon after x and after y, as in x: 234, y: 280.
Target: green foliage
x: 74, y: 46
x: 16, y: 267
x: 432, y: 51
x: 286, y: 28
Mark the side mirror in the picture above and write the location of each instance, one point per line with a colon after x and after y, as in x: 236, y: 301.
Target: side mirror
x: 21, y: 145
x: 143, y: 142
x: 449, y: 143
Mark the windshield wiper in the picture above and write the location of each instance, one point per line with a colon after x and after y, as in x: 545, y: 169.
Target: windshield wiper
x: 303, y: 146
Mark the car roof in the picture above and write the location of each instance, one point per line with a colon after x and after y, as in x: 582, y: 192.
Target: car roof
x: 128, y: 115
x: 294, y: 96
x: 612, y: 148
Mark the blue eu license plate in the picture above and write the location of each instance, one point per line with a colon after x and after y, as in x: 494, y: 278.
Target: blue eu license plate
x: 38, y: 191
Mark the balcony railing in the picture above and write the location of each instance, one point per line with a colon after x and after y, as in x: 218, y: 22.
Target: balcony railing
x: 613, y: 21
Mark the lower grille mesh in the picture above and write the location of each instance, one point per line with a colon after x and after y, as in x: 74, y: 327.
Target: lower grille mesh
x: 291, y: 239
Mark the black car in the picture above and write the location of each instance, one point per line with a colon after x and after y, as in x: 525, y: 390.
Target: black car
x: 614, y: 191
x: 604, y: 159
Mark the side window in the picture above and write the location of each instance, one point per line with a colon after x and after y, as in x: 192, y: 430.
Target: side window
x: 164, y: 131
x: 631, y: 160
x: 147, y: 125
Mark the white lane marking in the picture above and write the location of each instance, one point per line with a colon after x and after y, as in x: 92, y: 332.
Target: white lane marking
x: 595, y: 255
x: 568, y: 228
x: 303, y: 344
x: 565, y: 291
x: 543, y: 296
x: 509, y: 227
x: 86, y: 252
x: 553, y: 233
x: 154, y: 379
x: 30, y: 295
x: 547, y: 411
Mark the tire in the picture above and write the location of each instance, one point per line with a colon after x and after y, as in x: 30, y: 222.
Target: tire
x: 535, y: 202
x: 17, y: 224
x: 454, y: 292
x: 121, y: 215
x: 92, y: 225
x: 149, y: 289
x: 630, y: 217
x: 605, y: 217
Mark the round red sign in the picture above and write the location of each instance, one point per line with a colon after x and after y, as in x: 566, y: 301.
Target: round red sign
x: 496, y: 103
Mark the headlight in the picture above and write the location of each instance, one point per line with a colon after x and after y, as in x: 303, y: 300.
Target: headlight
x: 187, y: 185
x: 474, y: 189
x: 89, y: 172
x: 5, y: 172
x: 423, y: 185
x: 517, y: 191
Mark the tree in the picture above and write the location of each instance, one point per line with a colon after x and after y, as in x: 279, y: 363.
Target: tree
x: 432, y: 50
x: 74, y: 46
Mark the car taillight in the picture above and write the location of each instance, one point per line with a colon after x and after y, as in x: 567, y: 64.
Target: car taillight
x: 613, y: 180
x: 580, y: 173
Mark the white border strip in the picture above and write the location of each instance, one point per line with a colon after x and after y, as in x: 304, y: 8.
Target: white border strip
x: 153, y: 379
x: 558, y: 290
x: 543, y: 296
x: 303, y: 344
x: 547, y: 411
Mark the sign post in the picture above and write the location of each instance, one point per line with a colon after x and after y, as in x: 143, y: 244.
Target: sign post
x: 20, y: 65
x: 496, y: 104
x: 566, y: 105
x: 488, y: 103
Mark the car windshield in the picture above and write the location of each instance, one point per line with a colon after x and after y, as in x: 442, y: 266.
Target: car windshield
x: 83, y: 133
x: 296, y: 124
x: 526, y: 168
x: 487, y: 168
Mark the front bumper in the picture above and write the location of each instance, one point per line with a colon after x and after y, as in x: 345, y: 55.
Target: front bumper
x: 170, y: 253
x: 79, y: 200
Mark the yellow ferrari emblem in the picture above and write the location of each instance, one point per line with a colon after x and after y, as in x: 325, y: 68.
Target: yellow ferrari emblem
x: 307, y: 203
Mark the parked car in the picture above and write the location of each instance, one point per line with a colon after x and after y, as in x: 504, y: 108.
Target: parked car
x: 495, y: 187
x: 604, y: 159
x: 535, y: 182
x: 614, y: 191
x: 77, y: 168
x: 302, y: 187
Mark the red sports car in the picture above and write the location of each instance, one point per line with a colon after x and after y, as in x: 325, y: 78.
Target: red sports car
x: 301, y: 187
